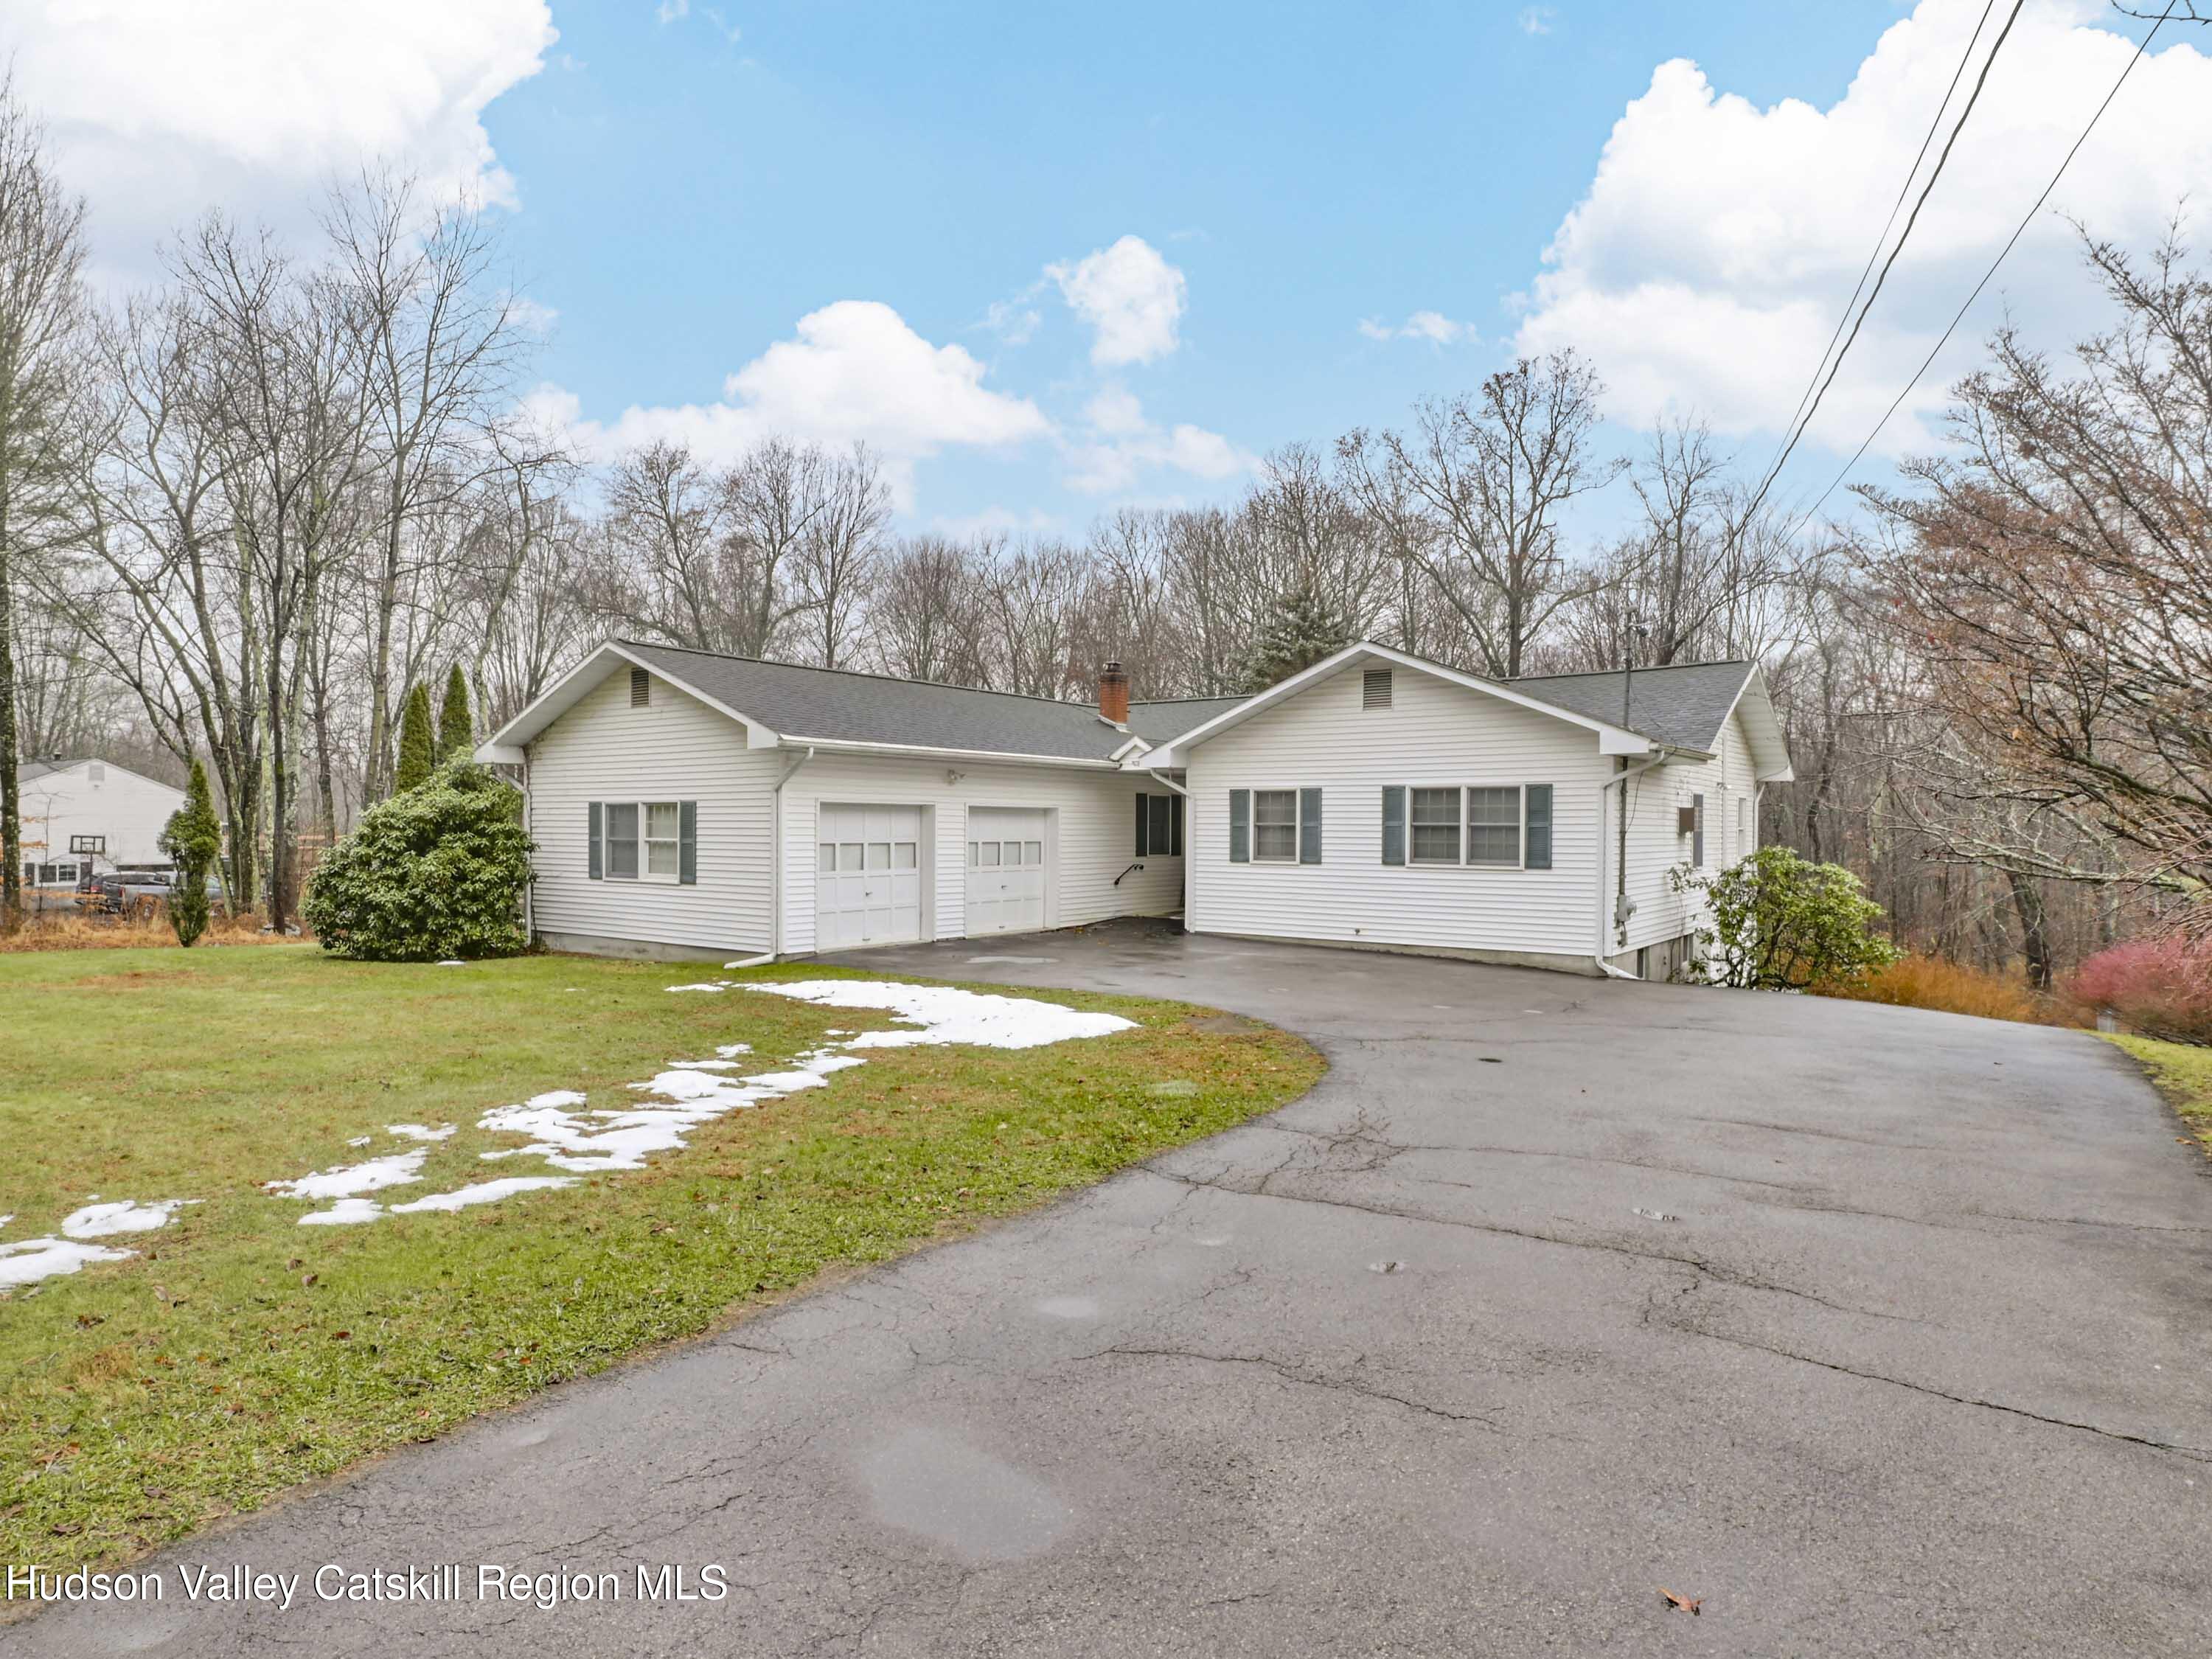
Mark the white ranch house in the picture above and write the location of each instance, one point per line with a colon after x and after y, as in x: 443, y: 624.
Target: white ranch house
x: 81, y: 817
x: 688, y: 804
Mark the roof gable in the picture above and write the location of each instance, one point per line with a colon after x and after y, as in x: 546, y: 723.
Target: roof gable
x: 792, y: 703
x: 1611, y: 738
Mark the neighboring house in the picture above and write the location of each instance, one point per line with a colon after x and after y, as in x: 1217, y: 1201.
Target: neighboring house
x: 70, y: 806
x: 686, y: 804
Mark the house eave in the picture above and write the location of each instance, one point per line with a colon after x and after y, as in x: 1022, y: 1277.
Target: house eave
x: 921, y: 751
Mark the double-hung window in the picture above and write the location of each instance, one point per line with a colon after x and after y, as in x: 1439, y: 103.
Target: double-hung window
x: 1490, y: 826
x: 1436, y: 826
x: 1275, y: 826
x: 645, y: 840
x: 1159, y: 826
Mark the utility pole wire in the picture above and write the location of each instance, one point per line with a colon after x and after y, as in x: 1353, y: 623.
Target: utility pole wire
x: 1903, y: 189
x: 1904, y: 236
x: 2018, y: 230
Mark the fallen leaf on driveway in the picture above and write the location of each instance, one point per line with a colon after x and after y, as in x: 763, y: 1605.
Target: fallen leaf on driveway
x: 1688, y: 1604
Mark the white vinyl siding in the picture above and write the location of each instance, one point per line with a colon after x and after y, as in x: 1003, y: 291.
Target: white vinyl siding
x: 1657, y: 845
x: 1435, y: 736
x: 674, y: 748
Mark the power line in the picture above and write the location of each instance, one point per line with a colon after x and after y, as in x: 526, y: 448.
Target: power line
x: 1904, y: 236
x: 1904, y: 189
x: 2018, y: 231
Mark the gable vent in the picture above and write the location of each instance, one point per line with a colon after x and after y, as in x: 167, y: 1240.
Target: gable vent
x: 1375, y: 689
x: 641, y: 688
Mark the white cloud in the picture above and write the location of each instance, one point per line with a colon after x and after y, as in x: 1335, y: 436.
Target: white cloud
x: 1131, y: 298
x: 1718, y: 242
x: 1015, y: 321
x: 670, y: 11
x: 161, y: 111
x: 855, y: 372
x: 1536, y: 19
x: 1121, y: 443
x: 1430, y: 326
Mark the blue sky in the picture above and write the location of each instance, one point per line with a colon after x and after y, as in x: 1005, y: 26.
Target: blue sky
x: 1054, y: 259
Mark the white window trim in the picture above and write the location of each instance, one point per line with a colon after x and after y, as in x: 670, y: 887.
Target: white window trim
x: 1519, y: 788
x: 1297, y: 825
x: 645, y: 876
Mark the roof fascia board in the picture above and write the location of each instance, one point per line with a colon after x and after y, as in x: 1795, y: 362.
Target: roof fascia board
x: 1612, y: 739
x: 920, y: 751
x: 1786, y: 774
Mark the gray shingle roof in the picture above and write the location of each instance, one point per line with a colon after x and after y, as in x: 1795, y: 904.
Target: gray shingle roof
x: 840, y: 705
x: 1683, y: 706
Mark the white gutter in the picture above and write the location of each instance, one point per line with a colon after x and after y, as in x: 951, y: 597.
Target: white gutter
x: 775, y: 855
x: 1619, y: 778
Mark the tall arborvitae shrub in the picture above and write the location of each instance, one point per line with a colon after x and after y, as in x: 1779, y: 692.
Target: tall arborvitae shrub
x: 434, y: 874
x: 456, y: 733
x: 193, y: 840
x: 418, y: 755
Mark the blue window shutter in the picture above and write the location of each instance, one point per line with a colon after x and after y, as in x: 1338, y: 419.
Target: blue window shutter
x: 1698, y: 836
x: 598, y: 867
x: 1240, y: 826
x: 687, y: 855
x: 1144, y: 803
x: 1309, y: 826
x: 1393, y: 824
x: 1537, y: 797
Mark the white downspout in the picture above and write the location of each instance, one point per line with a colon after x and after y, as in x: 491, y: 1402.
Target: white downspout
x: 775, y: 855
x: 1620, y: 778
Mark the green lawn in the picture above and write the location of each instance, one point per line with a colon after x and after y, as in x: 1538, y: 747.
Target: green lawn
x: 2183, y: 1075
x: 238, y: 1352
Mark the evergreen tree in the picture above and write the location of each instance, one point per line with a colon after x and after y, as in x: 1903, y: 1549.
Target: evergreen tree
x: 456, y: 733
x: 1303, y: 629
x: 418, y: 755
x: 193, y: 840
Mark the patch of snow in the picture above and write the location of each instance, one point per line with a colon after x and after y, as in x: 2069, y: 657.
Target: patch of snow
x: 343, y: 1213
x: 705, y: 1065
x: 5, y: 1219
x: 481, y: 1192
x: 99, y: 1220
x: 945, y: 1013
x: 727, y: 1049
x: 27, y: 1260
x: 417, y: 1132
x: 392, y: 1170
x: 361, y: 1140
x: 705, y: 985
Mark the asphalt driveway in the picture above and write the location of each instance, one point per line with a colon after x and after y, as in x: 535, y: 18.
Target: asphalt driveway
x: 1879, y: 1331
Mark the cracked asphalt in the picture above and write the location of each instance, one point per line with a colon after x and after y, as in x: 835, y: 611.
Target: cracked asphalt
x: 1881, y: 1332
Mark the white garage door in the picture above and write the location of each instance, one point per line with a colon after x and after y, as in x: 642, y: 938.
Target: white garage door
x: 1007, y: 873
x: 867, y: 880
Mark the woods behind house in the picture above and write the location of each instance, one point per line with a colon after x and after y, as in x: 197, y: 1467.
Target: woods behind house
x: 245, y: 513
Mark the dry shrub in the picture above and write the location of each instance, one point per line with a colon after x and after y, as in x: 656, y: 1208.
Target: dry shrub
x: 1918, y: 981
x: 69, y: 930
x: 2161, y: 987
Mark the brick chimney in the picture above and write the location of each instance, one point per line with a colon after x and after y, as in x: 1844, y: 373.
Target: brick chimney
x: 1114, y: 694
